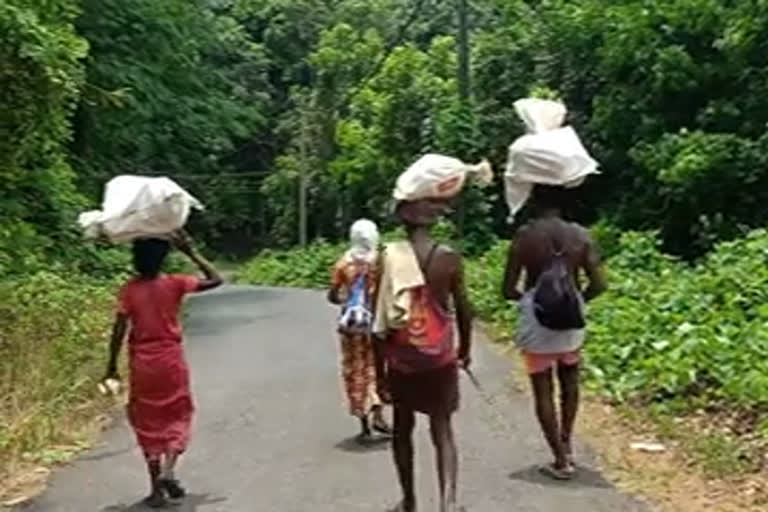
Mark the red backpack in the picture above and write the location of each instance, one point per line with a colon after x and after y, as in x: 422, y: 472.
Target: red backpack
x: 427, y: 341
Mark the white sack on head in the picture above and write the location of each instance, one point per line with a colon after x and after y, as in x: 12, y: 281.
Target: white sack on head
x: 540, y: 115
x: 549, y: 155
x: 438, y: 177
x: 364, y: 241
x: 136, y: 206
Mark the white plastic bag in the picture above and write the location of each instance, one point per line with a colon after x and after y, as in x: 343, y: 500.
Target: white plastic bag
x: 548, y: 155
x: 438, y: 176
x: 137, y: 206
x: 540, y: 115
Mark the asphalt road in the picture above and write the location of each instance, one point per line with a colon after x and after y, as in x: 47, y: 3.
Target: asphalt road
x: 271, y: 432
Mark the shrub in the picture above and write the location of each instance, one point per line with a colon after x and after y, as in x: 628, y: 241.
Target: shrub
x: 52, y: 350
x: 668, y: 330
x: 665, y: 331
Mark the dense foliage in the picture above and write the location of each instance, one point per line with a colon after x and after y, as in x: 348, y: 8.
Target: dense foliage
x: 665, y: 331
x: 238, y: 98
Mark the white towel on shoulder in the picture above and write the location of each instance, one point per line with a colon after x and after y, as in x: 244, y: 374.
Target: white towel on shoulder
x: 400, y: 273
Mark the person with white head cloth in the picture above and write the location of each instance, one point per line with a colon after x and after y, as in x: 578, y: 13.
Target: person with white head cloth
x: 352, y: 287
x: 553, y: 254
x: 421, y: 299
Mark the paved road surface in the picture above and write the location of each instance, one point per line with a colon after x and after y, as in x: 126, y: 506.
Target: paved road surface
x: 271, y: 434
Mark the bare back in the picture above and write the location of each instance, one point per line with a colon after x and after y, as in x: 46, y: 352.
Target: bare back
x: 441, y: 266
x: 538, y: 240
x: 533, y: 249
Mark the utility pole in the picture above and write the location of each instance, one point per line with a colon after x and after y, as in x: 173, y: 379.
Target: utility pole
x: 303, y: 181
x: 465, y: 88
x: 465, y: 85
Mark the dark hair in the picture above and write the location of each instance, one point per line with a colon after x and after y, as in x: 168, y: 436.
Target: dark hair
x: 546, y: 197
x: 149, y: 255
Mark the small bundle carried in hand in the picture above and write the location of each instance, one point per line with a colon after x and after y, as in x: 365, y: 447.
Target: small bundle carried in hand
x: 136, y: 207
x: 549, y: 154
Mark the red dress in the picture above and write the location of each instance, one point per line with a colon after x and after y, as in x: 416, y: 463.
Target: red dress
x: 160, y: 405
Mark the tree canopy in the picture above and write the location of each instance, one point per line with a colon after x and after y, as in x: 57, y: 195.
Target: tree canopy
x: 236, y: 99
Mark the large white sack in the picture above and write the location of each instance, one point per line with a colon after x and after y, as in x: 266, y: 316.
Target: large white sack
x: 548, y: 155
x: 437, y: 177
x: 137, y: 206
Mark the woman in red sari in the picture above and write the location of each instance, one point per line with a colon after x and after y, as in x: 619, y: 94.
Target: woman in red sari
x: 160, y: 404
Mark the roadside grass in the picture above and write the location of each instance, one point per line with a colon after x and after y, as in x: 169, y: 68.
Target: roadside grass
x: 52, y: 352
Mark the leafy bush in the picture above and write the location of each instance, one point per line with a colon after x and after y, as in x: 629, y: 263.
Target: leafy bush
x: 302, y: 268
x: 665, y: 331
x: 52, y: 350
x: 311, y: 267
x: 668, y: 330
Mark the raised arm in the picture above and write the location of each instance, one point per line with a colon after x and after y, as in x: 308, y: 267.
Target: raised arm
x: 463, y: 313
x: 593, y: 268
x: 512, y: 274
x: 213, y: 279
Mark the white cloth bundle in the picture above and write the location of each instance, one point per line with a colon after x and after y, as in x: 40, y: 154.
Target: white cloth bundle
x: 364, y: 242
x: 438, y: 177
x: 549, y: 154
x: 400, y: 273
x: 136, y: 206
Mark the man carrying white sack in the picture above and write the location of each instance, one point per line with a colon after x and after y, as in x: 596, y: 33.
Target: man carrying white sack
x: 548, y: 162
x: 421, y: 285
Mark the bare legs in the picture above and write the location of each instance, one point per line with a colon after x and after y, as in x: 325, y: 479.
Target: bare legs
x: 169, y: 482
x: 569, y: 405
x: 557, y: 433
x: 163, y: 480
x: 169, y: 466
x: 156, y: 498
x: 402, y: 449
x: 446, y: 455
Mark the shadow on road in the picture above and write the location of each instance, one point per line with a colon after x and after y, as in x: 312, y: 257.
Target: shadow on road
x: 352, y: 445
x: 585, y: 477
x: 189, y: 504
x: 106, y: 454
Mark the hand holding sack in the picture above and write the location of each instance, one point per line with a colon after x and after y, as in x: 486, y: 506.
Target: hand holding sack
x: 136, y: 207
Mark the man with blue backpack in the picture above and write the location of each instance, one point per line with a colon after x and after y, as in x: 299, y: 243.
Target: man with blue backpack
x: 553, y: 253
x: 548, y: 161
x: 352, y: 287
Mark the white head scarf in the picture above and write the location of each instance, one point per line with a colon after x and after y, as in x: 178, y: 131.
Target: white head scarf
x: 364, y: 239
x: 549, y: 154
x: 438, y: 177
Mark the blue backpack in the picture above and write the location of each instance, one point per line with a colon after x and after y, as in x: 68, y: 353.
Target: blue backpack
x: 356, y: 316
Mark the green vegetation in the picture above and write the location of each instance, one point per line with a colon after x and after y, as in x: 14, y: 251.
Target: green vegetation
x: 674, y: 336
x: 51, y: 353
x: 665, y: 331
x: 236, y: 99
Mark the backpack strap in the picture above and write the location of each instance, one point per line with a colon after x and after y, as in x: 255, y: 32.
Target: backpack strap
x: 427, y: 262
